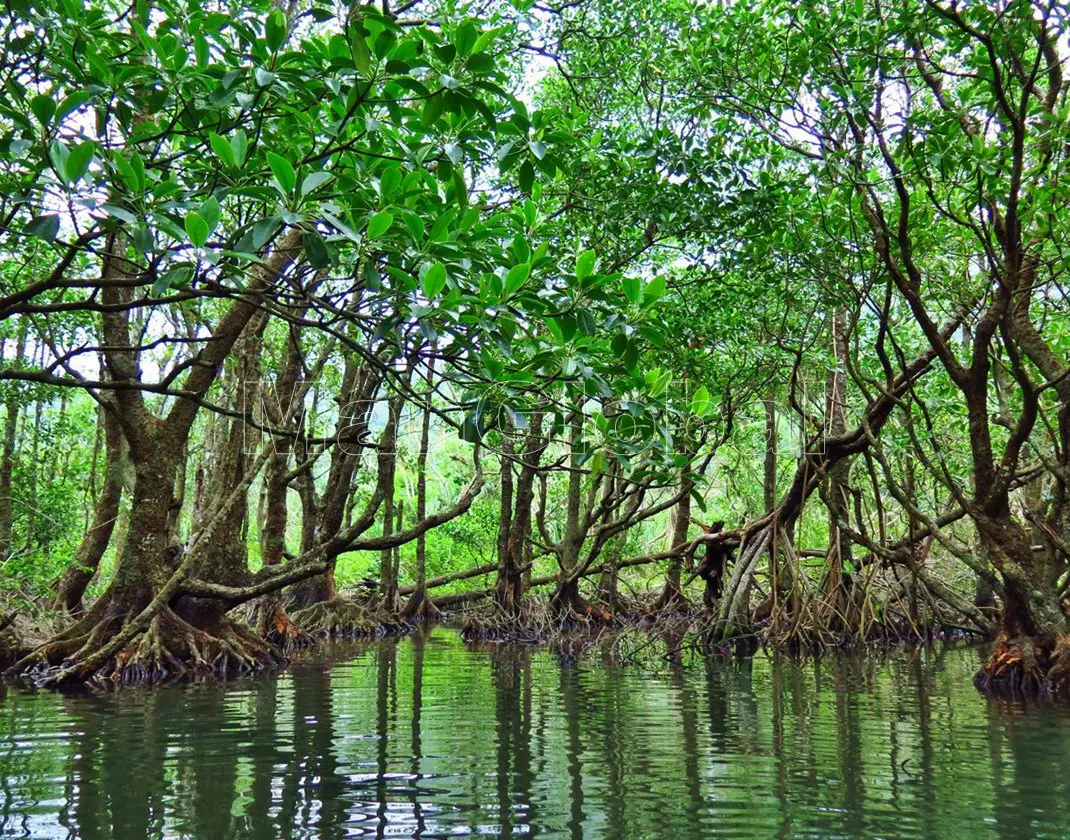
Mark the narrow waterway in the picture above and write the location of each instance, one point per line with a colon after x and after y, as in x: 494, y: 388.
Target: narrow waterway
x: 425, y: 737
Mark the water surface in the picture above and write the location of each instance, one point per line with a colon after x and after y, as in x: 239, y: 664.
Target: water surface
x: 424, y: 737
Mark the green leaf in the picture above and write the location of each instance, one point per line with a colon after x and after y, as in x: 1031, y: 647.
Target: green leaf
x: 264, y: 230
x: 654, y: 289
x: 43, y: 108
x: 433, y: 107
x: 43, y: 227
x: 209, y: 211
x: 516, y: 277
x: 315, y: 249
x: 434, y: 280
x: 362, y: 55
x: 342, y: 227
x: 526, y: 176
x: 316, y: 179
x: 178, y: 275
x: 275, y: 29
x: 196, y: 229
x: 389, y: 181
x: 633, y: 289
x: 200, y: 50
x: 138, y: 166
x: 653, y: 334
x: 240, y: 143
x: 701, y: 403
x: 493, y: 366
x: 223, y: 150
x: 284, y: 173
x: 465, y: 38
x: 538, y: 148
x: 380, y: 223
x: 78, y: 160
x: 132, y: 171
x: 59, y: 155
x: 481, y: 64
x: 585, y: 262
x: 566, y: 324
x: 472, y: 427
x: 484, y: 40
x: 163, y: 222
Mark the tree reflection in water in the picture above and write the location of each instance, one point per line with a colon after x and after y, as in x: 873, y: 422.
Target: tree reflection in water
x: 426, y: 737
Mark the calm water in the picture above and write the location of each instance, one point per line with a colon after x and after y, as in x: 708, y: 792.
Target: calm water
x: 425, y: 737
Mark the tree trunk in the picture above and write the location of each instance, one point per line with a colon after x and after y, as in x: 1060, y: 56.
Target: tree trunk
x: 838, y: 590
x: 419, y: 607
x: 672, y: 598
x: 388, y: 600
x: 566, y: 602
x: 143, y: 629
x: 87, y: 556
x: 268, y: 615
x: 7, y: 457
x: 514, y: 552
x: 1032, y: 649
x: 322, y: 520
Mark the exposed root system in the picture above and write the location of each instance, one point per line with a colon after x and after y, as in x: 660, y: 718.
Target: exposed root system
x: 268, y: 617
x: 420, y: 609
x: 338, y: 619
x: 1022, y: 666
x: 530, y: 624
x: 169, y: 648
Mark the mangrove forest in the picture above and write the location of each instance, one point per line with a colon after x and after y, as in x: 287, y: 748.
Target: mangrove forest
x: 586, y: 418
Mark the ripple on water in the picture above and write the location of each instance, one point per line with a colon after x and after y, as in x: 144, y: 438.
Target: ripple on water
x: 424, y: 737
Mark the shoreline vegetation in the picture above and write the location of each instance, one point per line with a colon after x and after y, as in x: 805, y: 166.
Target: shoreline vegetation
x: 741, y: 324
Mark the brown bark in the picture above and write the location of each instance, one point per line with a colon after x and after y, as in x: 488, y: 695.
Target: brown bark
x: 672, y: 597
x: 268, y: 615
x: 419, y: 606
x: 7, y: 457
x: 135, y: 631
x: 839, y: 569
x: 512, y: 550
x: 87, y: 556
x: 324, y: 518
x: 387, y: 597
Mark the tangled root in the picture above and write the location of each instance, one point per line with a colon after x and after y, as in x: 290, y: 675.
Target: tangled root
x: 529, y: 624
x: 673, y: 601
x: 273, y: 624
x: 570, y: 609
x: 1058, y: 681
x: 1021, y: 666
x: 338, y: 619
x: 420, y: 609
x: 11, y: 648
x: 169, y: 649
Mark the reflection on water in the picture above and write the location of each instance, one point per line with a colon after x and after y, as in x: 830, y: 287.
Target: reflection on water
x: 424, y: 737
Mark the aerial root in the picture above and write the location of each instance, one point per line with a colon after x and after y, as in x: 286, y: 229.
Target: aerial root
x: 169, y: 648
x: 273, y: 624
x: 672, y: 601
x: 420, y: 609
x: 337, y: 619
x: 528, y: 623
x: 1022, y: 666
x: 1058, y: 679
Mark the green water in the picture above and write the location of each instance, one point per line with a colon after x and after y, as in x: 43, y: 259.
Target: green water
x: 425, y: 737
